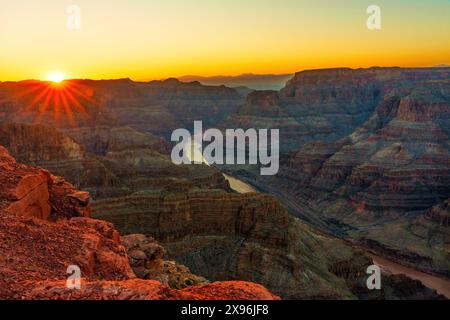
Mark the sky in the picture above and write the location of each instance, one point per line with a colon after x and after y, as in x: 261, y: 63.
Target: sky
x: 154, y: 39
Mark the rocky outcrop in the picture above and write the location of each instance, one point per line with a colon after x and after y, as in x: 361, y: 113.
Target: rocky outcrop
x: 34, y: 192
x: 34, y: 250
x: 36, y: 253
x: 146, y: 257
x: 150, y: 290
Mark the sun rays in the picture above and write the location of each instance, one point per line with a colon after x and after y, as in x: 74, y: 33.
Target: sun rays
x: 58, y: 102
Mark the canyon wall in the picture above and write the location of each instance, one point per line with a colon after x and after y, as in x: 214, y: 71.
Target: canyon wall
x: 373, y: 178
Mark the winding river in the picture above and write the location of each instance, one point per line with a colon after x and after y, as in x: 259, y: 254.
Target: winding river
x: 441, y: 285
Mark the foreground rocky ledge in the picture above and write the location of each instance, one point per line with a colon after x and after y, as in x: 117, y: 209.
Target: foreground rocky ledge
x: 137, y: 289
x: 45, y: 228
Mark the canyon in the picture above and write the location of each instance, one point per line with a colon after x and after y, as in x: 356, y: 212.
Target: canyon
x: 380, y: 175
x: 300, y: 263
x: 365, y: 167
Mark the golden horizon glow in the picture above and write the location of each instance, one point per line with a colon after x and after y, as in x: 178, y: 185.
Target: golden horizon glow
x: 146, y: 40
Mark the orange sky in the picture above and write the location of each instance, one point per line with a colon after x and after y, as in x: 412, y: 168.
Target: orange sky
x: 150, y: 39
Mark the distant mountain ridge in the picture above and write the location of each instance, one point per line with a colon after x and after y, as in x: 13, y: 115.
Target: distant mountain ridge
x: 249, y: 80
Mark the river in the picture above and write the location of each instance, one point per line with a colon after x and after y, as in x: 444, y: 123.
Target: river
x: 238, y: 185
x: 441, y: 285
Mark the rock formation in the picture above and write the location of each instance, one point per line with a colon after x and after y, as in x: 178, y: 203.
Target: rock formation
x: 377, y: 182
x: 34, y: 192
x: 325, y: 104
x: 35, y: 253
x: 136, y: 289
x: 225, y: 236
x: 265, y: 110
x: 146, y: 257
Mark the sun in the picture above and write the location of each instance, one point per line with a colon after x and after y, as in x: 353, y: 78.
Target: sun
x: 56, y: 77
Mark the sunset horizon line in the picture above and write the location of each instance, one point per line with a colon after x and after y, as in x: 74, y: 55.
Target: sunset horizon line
x: 233, y: 75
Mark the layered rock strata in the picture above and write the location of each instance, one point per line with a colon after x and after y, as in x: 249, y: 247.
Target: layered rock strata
x: 45, y: 229
x: 379, y: 183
